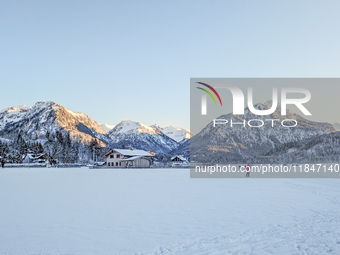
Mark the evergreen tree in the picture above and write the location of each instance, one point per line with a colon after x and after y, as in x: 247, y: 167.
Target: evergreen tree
x: 60, y: 138
x: 48, y: 135
x: 3, y: 153
x: 40, y: 148
x: 68, y: 139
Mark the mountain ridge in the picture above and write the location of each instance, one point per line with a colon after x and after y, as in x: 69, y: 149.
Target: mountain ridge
x: 226, y: 144
x: 139, y: 135
x: 49, y: 116
x: 176, y: 133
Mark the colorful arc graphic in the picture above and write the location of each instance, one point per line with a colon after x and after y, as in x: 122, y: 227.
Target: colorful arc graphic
x: 208, y: 93
x: 212, y: 89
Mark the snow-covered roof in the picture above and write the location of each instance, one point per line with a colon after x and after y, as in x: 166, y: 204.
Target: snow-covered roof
x: 180, y: 157
x: 132, y: 158
x: 35, y: 156
x: 128, y: 152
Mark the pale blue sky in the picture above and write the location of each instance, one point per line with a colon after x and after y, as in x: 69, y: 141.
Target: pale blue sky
x: 116, y: 60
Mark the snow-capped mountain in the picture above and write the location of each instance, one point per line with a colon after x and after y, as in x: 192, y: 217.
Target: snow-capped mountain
x: 336, y: 126
x: 140, y: 136
x: 225, y: 144
x: 49, y: 116
x: 107, y: 128
x: 176, y: 133
x: 34, y: 122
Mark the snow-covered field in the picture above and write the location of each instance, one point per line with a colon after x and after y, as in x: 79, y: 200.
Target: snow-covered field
x: 85, y: 211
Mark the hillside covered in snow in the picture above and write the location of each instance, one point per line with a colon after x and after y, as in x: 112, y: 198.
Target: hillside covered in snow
x: 176, y: 133
x: 49, y: 122
x: 324, y: 148
x: 45, y: 119
x: 34, y: 122
x: 138, y: 135
x: 68, y: 136
x: 224, y: 143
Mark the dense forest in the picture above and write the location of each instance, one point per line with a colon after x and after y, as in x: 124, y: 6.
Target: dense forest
x: 58, y: 148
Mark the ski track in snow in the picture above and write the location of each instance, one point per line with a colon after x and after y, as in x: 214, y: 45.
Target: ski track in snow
x: 304, y: 237
x: 321, y: 235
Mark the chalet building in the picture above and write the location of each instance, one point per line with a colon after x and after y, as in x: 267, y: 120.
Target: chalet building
x: 179, y: 161
x: 129, y: 158
x: 35, y: 158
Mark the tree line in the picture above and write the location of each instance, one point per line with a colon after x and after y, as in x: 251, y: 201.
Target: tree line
x: 57, y: 148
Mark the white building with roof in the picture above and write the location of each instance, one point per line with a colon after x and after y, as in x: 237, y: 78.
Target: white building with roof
x: 129, y: 158
x: 179, y: 161
x: 35, y: 158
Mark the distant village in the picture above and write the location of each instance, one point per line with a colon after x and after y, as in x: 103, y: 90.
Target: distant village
x: 60, y: 151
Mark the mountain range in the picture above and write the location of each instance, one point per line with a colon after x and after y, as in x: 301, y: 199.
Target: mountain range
x: 34, y: 122
x: 176, y: 133
x: 211, y: 144
x: 225, y: 144
x: 138, y: 135
x: 48, y: 117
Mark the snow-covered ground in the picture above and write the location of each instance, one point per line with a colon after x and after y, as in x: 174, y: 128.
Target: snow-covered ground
x: 83, y: 211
